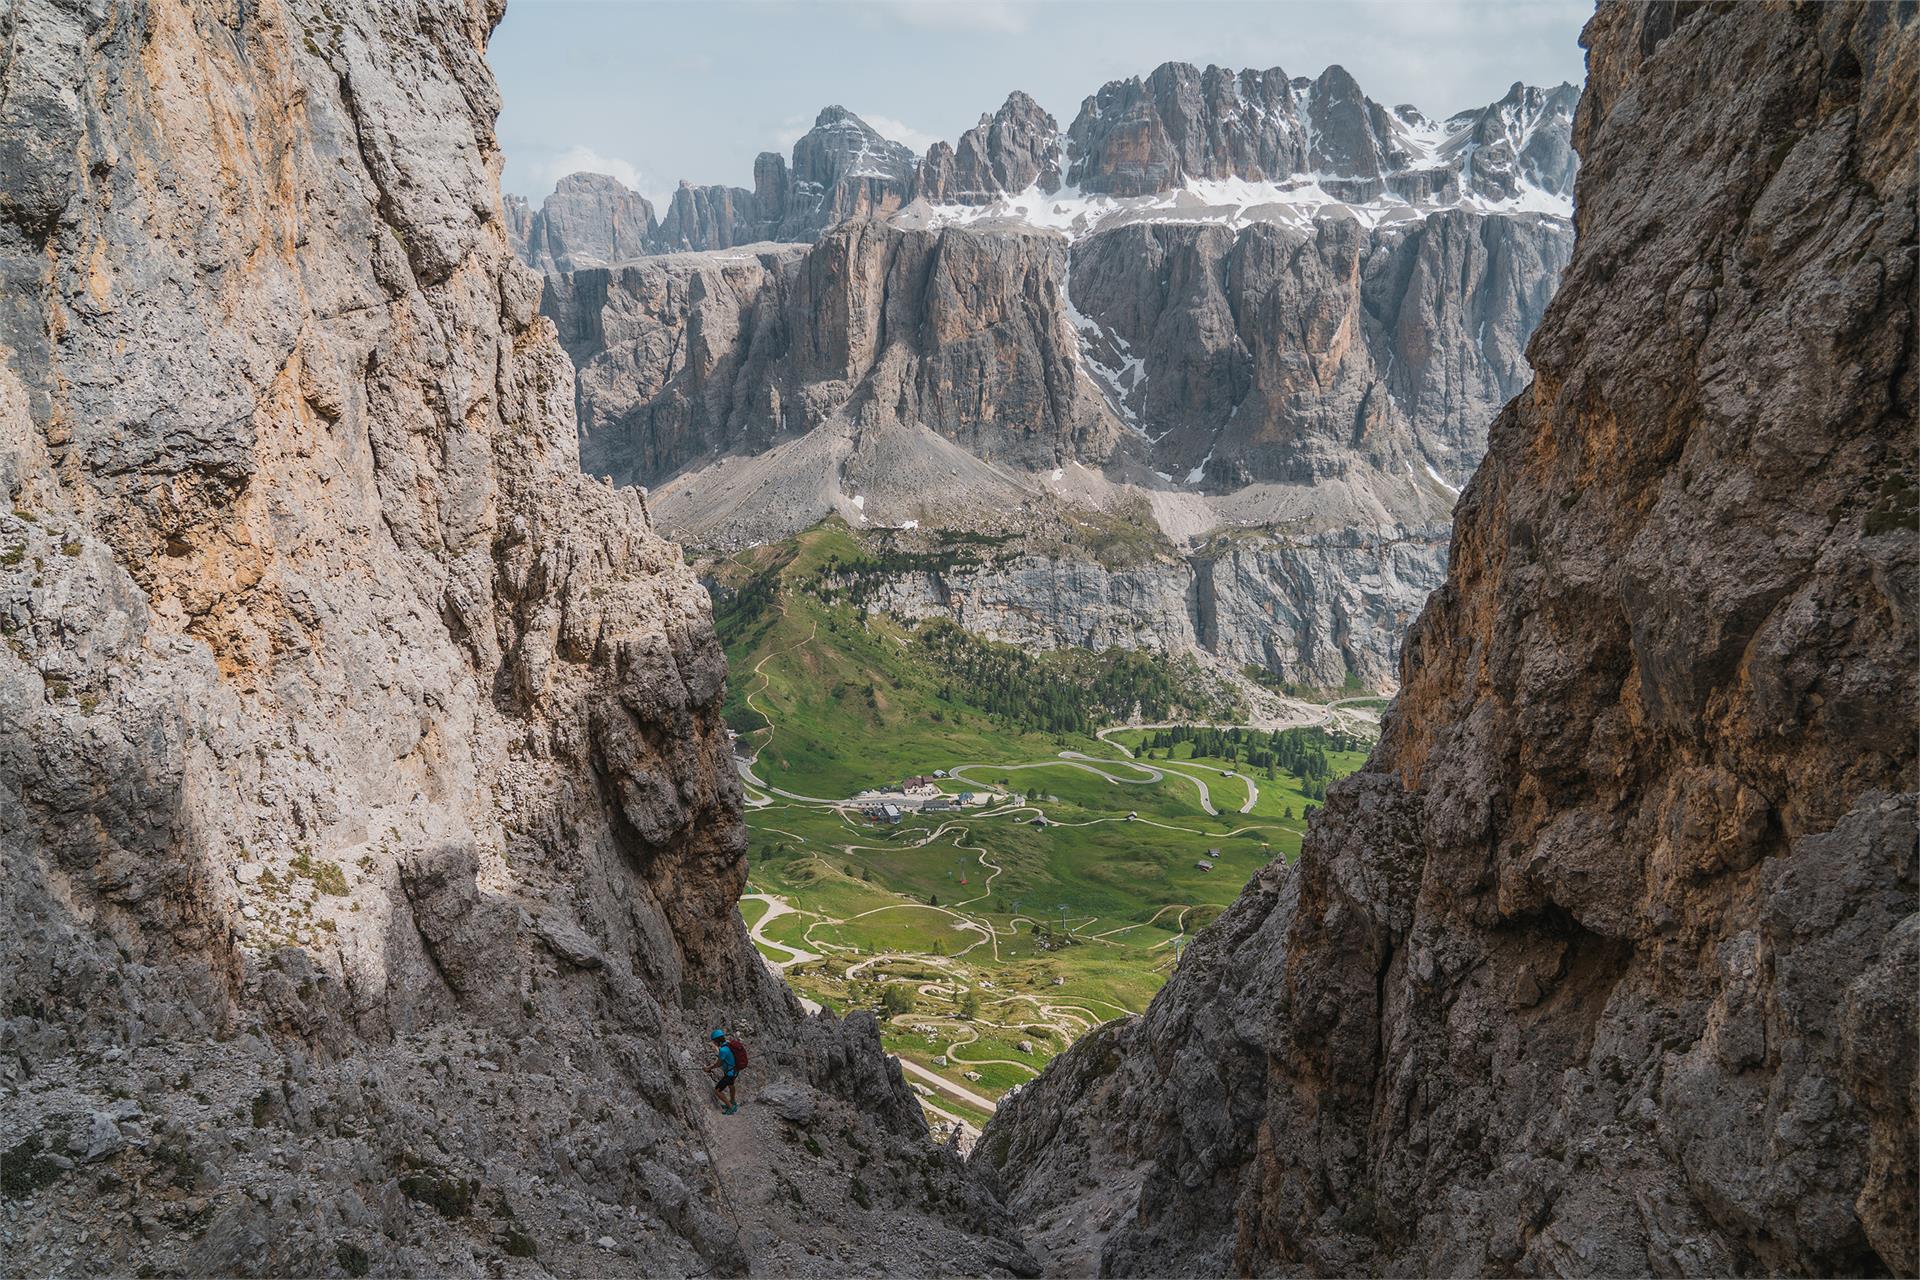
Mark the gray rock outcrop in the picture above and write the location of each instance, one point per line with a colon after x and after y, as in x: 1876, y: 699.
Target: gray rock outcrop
x: 369, y: 842
x: 1015, y: 148
x: 709, y: 218
x: 681, y: 357
x: 1310, y: 609
x: 1298, y: 353
x: 1604, y: 964
x: 590, y: 220
x: 1275, y: 353
x: 1523, y: 139
x: 842, y: 169
x: 1139, y: 136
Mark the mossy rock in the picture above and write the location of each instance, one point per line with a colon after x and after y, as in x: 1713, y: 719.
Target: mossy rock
x: 452, y: 1197
x: 27, y: 1168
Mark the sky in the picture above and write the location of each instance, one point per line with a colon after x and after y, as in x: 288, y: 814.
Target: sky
x: 653, y: 91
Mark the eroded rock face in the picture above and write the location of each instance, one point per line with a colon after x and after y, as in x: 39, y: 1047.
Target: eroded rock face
x: 1605, y: 962
x: 1300, y: 353
x: 590, y: 220
x: 842, y: 168
x: 1275, y: 353
x: 1015, y: 148
x: 713, y: 217
x: 1312, y: 609
x: 369, y: 841
x: 1181, y: 124
x: 1138, y: 135
x: 685, y: 356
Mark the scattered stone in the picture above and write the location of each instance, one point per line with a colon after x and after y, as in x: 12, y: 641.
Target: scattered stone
x: 790, y: 1102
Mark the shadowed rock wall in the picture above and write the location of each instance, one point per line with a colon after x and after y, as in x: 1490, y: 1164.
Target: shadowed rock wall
x: 1605, y: 963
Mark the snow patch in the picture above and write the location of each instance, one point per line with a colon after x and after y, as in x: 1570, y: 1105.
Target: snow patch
x: 1117, y: 383
x: 1442, y: 480
x: 1234, y: 203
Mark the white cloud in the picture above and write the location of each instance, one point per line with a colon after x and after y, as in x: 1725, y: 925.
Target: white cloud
x: 790, y: 132
x: 584, y: 159
x: 1000, y: 16
x: 901, y: 131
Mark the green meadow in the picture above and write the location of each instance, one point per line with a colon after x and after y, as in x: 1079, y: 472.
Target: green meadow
x: 1061, y: 904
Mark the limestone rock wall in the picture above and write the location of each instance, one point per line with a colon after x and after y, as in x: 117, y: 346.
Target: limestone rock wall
x: 690, y: 355
x: 1297, y: 354
x: 1015, y: 148
x: 1310, y: 609
x: 1271, y: 354
x: 590, y: 220
x: 369, y: 843
x: 1605, y: 962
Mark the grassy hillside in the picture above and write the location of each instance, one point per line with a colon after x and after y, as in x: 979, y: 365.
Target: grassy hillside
x: 815, y: 672
x: 1061, y: 904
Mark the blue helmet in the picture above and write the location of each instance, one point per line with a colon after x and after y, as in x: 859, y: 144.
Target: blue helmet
x: 718, y: 1034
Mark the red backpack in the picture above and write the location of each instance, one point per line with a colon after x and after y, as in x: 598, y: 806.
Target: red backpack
x: 739, y: 1053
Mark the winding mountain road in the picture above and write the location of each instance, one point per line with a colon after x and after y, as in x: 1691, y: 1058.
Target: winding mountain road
x: 1090, y: 764
x: 941, y: 1082
x: 777, y: 907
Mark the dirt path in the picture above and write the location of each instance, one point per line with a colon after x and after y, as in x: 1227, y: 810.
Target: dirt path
x: 745, y: 768
x: 765, y: 680
x: 1180, y: 767
x: 777, y: 907
x: 965, y: 1095
x: 1087, y: 764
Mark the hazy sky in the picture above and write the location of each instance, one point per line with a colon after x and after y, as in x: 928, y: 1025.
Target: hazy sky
x: 653, y: 91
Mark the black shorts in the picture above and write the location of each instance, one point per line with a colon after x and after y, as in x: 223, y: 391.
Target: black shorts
x: 725, y: 1080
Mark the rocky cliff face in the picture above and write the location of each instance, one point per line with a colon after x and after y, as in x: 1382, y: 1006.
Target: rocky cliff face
x: 1181, y: 124
x: 842, y: 168
x: 1605, y: 962
x: 1269, y: 361
x: 1311, y: 609
x: 709, y: 218
x: 1015, y: 148
x: 1275, y: 353
x: 1283, y: 352
x: 589, y: 220
x: 368, y: 834
x: 689, y: 356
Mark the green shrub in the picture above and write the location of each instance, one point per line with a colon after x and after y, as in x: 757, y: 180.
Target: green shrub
x: 451, y: 1197
x: 25, y: 1169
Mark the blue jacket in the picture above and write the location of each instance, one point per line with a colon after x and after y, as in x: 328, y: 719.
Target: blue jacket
x: 726, y: 1059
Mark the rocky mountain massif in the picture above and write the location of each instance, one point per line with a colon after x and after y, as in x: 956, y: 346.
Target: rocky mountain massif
x: 1208, y: 407
x: 1605, y: 963
x: 842, y: 168
x: 369, y: 841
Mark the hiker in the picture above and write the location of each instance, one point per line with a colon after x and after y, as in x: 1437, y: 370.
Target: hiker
x: 728, y: 1058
